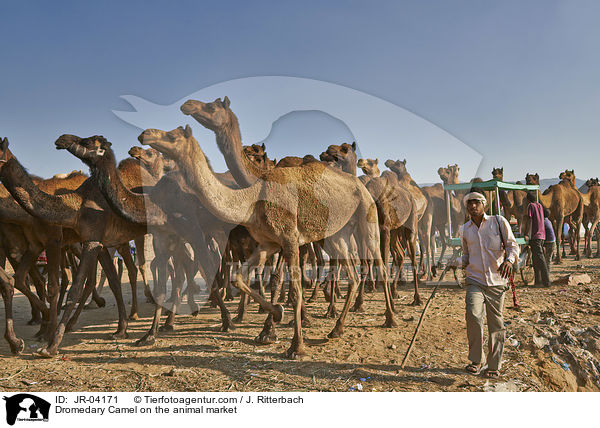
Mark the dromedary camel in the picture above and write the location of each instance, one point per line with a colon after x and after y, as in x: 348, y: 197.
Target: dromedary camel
x: 424, y: 212
x: 370, y: 168
x: 39, y: 236
x: 591, y: 214
x: 286, y: 208
x: 84, y: 211
x: 147, y: 211
x: 563, y: 200
x: 514, y: 202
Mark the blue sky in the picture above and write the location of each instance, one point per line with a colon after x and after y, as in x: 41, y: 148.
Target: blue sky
x: 516, y: 81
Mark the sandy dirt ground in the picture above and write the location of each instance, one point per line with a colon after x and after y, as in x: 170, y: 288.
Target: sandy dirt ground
x: 553, y: 344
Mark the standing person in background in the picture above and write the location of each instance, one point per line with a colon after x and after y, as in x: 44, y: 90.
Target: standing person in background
x: 489, y: 251
x: 550, y: 240
x: 535, y: 228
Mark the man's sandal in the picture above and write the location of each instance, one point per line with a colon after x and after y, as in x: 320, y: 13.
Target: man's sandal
x: 473, y: 368
x: 494, y: 374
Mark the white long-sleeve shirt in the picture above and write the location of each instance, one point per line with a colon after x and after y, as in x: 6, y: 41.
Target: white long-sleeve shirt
x: 482, y: 249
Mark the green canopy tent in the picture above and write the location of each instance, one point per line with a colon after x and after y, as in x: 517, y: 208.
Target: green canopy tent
x: 491, y: 185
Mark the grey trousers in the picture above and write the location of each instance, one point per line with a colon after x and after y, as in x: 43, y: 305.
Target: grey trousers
x: 479, y: 299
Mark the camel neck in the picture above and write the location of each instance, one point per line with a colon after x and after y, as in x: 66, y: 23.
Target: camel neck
x: 230, y: 205
x: 229, y: 141
x: 11, y: 211
x: 61, y: 210
x: 134, y: 207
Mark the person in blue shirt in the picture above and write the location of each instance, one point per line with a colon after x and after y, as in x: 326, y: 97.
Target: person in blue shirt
x: 550, y: 238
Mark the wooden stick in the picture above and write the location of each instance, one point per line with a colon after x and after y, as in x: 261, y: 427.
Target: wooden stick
x: 412, y: 342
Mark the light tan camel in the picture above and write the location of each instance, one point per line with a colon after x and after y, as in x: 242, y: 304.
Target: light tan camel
x: 563, y: 200
x: 424, y: 212
x: 591, y: 214
x: 286, y: 208
x: 370, y: 169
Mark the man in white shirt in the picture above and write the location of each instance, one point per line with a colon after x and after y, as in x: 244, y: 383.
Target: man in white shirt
x: 489, y: 250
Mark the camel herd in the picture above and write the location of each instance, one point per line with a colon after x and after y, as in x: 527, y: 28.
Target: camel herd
x: 262, y: 217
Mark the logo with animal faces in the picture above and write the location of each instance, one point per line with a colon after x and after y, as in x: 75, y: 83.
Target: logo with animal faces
x: 26, y: 408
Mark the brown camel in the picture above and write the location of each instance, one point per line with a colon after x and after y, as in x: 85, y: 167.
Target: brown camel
x: 424, y: 212
x: 87, y: 214
x: 514, y: 202
x: 591, y: 214
x: 295, y: 161
x: 38, y: 236
x: 563, y: 200
x: 145, y: 211
x: 276, y: 217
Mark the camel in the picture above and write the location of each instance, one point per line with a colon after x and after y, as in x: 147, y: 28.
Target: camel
x: 282, y: 210
x: 591, y: 214
x: 370, y: 168
x: 295, y: 161
x: 514, y: 202
x: 562, y: 200
x: 85, y: 212
x: 165, y: 219
x: 38, y: 236
x: 424, y: 212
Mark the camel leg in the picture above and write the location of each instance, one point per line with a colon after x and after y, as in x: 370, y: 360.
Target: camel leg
x: 22, y: 268
x: 412, y: 249
x: 292, y: 258
x: 88, y: 288
x: 115, y: 287
x: 7, y: 288
x: 320, y: 263
x: 597, y: 233
x: 334, y: 278
x: 345, y: 261
x: 177, y: 286
x: 268, y: 335
x: 365, y: 270
x: 132, y: 274
x: 88, y: 257
x: 158, y: 295
x: 140, y: 249
x: 559, y: 238
x: 577, y: 240
x: 190, y: 268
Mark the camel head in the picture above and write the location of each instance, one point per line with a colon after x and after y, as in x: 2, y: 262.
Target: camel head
x: 449, y: 175
x: 257, y: 155
x: 309, y: 159
x: 399, y: 167
x: 369, y: 167
x: 343, y: 156
x: 532, y: 179
x: 498, y: 174
x: 5, y: 153
x: 173, y: 144
x: 568, y: 176
x: 214, y: 116
x: 90, y: 150
x: 592, y: 182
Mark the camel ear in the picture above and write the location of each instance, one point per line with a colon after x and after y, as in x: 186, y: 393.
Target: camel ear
x: 404, y: 161
x: 263, y: 146
x: 226, y: 102
x: 376, y: 161
x: 502, y: 169
x: 187, y: 131
x: 4, y: 144
x: 354, y: 145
